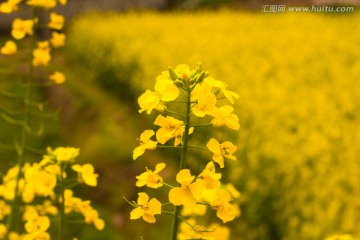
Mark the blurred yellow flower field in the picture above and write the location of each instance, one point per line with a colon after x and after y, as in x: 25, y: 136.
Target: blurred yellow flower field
x: 297, y: 78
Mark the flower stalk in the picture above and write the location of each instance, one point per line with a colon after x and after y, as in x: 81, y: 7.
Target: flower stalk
x: 61, y: 200
x: 199, y: 96
x: 175, y: 223
x: 20, y: 148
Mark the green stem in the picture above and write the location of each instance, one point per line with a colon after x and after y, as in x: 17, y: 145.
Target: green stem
x: 168, y: 146
x: 175, y: 224
x: 62, y: 205
x: 198, y: 147
x: 201, y: 125
x: 174, y: 113
x: 12, y: 218
x: 166, y: 184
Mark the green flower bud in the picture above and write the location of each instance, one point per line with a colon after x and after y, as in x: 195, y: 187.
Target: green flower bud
x: 178, y: 83
x: 172, y: 74
x: 199, y: 68
x: 200, y: 77
x: 193, y: 74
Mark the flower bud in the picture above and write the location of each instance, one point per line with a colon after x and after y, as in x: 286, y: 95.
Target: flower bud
x: 172, y: 74
x: 178, y: 83
x: 200, y: 77
x: 199, y: 68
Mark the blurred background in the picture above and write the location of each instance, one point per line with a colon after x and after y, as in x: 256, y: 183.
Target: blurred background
x: 297, y: 75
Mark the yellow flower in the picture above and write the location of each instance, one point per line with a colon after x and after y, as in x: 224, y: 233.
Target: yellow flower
x: 57, y: 39
x: 41, y: 55
x: 42, y: 3
x: 210, y: 178
x: 170, y: 127
x: 63, y: 2
x: 3, y: 231
x: 92, y: 217
x: 145, y: 143
x: 220, y: 201
x: 150, y: 178
x: 232, y: 190
x: 223, y: 116
x: 57, y: 77
x: 182, y: 71
x: 9, y: 48
x: 225, y: 149
x: 34, y: 222
x: 220, y: 232
x: 9, y: 6
x: 223, y: 87
x: 38, y: 235
x: 56, y: 21
x: 146, y: 209
x: 4, y: 209
x: 183, y: 195
x: 7, y: 189
x: 206, y: 100
x: 86, y: 174
x: 64, y: 154
x: 213, y: 232
x: 199, y: 210
x: 14, y: 236
x: 71, y: 203
x: 165, y: 91
x: 21, y: 27
x: 38, y: 182
x: 47, y: 208
x: 341, y: 237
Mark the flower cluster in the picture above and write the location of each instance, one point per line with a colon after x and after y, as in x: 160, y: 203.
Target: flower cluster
x: 298, y: 129
x: 34, y: 196
x: 341, y: 237
x: 21, y: 28
x: 204, y: 98
x: 39, y: 190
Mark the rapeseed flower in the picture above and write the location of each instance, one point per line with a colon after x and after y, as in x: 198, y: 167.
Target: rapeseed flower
x: 9, y: 6
x: 184, y: 195
x: 35, y: 222
x: 57, y: 39
x: 145, y: 143
x: 92, y: 217
x: 4, y: 209
x: 205, y: 100
x: 210, y: 178
x: 3, y: 231
x: 57, y: 77
x: 64, y: 154
x: 150, y: 178
x: 42, y: 3
x: 41, y: 55
x: 219, y: 200
x: 146, y: 209
x: 170, y: 127
x: 165, y: 91
x: 38, y: 182
x: 223, y: 116
x: 225, y: 149
x: 9, y: 48
x: 21, y: 27
x: 56, y: 21
x: 86, y: 174
x: 341, y: 237
x: 229, y: 95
